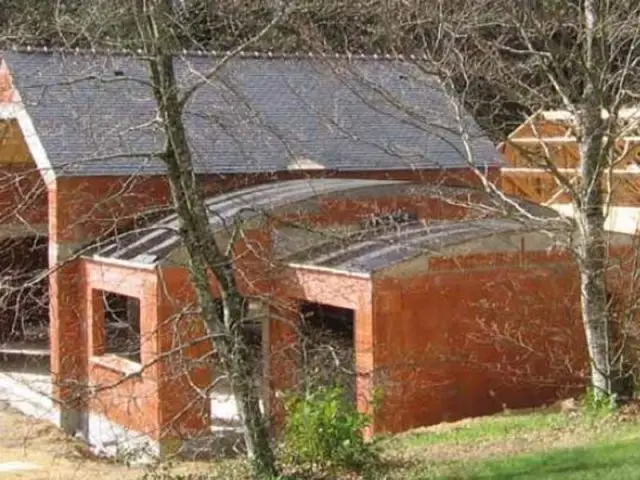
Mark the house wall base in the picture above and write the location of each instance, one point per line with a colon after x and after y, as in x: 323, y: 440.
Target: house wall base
x: 32, y: 396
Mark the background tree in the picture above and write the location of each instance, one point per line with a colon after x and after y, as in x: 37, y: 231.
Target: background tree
x: 580, y: 57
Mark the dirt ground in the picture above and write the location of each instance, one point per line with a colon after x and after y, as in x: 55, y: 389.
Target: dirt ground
x: 36, y: 450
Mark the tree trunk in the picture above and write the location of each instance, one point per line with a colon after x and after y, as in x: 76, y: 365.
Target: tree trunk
x: 204, y: 255
x: 591, y: 256
x: 592, y: 249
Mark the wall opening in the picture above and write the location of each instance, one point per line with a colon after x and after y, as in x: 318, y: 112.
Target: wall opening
x: 122, y: 326
x: 255, y: 316
x: 328, y: 353
x: 24, y: 305
x: 224, y: 411
x: 252, y: 328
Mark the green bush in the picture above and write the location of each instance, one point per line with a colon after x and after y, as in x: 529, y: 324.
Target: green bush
x: 325, y: 430
x: 598, y: 404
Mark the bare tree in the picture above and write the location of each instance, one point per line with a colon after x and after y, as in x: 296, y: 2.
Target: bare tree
x: 155, y: 22
x: 500, y: 58
x: 580, y: 57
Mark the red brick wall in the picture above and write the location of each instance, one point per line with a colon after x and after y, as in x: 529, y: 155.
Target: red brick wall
x: 131, y: 402
x: 470, y: 336
x: 327, y: 288
x: 161, y: 400
x: 183, y: 409
x: 82, y: 208
x: 467, y: 339
x: 68, y: 316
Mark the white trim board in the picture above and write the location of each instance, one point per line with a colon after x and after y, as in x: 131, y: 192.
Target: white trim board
x: 17, y: 111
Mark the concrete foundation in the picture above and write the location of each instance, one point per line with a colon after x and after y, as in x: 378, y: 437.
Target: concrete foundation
x: 31, y: 394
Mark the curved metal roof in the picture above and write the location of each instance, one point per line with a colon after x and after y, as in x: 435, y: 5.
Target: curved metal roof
x: 151, y: 244
x: 365, y: 251
x: 376, y: 251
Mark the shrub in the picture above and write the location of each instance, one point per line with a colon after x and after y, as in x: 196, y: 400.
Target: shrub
x: 599, y: 404
x: 325, y: 430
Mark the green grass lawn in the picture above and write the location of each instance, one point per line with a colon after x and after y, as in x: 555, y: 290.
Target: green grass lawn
x: 520, y: 446
x: 603, y: 460
x: 494, y: 427
x: 534, y: 446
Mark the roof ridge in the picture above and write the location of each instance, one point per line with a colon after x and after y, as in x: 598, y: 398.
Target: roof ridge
x: 261, y: 55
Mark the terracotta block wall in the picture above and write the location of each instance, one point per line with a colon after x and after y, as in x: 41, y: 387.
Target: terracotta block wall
x: 468, y: 336
x: 468, y: 339
x: 283, y: 356
x: 68, y: 341
x: 132, y: 404
x: 82, y: 209
x: 185, y: 373
x: 126, y: 401
x: 345, y: 291
x: 159, y: 400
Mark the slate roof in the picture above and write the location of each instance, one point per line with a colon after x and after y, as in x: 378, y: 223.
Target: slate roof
x: 94, y: 114
x: 382, y: 249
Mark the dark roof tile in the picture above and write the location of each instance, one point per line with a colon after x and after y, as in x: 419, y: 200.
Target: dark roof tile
x: 95, y: 114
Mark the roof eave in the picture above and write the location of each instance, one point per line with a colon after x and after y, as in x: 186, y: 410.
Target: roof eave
x: 16, y: 111
x: 122, y: 263
x: 333, y: 271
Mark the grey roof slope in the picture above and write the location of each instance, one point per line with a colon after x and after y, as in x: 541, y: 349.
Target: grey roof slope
x: 94, y: 114
x: 152, y: 244
x: 379, y: 250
